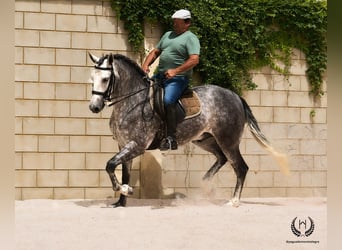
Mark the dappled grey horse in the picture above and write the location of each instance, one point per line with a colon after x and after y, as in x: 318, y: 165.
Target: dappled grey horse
x: 134, y: 124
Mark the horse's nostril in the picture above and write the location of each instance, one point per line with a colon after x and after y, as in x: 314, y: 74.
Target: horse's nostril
x: 94, y: 108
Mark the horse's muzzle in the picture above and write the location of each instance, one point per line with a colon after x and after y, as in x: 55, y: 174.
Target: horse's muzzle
x: 96, y: 108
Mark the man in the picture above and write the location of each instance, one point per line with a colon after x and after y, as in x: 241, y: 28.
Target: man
x: 179, y: 52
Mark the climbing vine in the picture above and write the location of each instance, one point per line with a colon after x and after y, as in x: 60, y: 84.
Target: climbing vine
x: 238, y: 36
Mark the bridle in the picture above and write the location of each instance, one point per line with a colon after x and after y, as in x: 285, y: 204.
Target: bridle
x: 106, y: 94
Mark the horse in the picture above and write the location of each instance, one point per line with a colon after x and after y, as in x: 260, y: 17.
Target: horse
x: 120, y: 82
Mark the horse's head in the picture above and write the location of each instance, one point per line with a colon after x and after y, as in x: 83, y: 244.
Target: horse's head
x: 102, y: 80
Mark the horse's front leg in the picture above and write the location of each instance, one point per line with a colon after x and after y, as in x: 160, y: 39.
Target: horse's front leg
x: 124, y: 157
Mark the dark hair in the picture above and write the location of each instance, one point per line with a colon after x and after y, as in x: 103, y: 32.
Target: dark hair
x: 187, y: 20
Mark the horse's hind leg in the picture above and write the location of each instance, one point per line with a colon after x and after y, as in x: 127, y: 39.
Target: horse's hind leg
x: 209, y: 144
x: 240, y: 168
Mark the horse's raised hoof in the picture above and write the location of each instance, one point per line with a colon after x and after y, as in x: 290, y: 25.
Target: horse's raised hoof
x: 126, y: 190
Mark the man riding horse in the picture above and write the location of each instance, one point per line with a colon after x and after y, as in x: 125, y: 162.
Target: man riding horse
x: 179, y: 52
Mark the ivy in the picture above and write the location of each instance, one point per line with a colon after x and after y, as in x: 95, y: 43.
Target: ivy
x: 238, y: 36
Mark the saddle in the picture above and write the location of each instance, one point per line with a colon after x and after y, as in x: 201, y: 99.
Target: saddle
x: 188, y: 106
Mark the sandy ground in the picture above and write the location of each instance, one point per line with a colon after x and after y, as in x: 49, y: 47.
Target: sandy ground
x: 259, y: 223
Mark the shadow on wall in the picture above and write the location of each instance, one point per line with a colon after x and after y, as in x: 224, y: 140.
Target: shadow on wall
x: 151, y: 177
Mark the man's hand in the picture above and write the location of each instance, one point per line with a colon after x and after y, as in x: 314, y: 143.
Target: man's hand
x: 170, y: 73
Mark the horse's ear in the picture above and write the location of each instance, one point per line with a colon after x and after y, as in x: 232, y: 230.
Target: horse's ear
x: 94, y: 58
x: 110, y: 58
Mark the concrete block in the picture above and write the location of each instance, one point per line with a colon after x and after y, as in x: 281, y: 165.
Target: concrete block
x: 107, y: 9
x: 54, y: 108
x: 22, y: 5
x: 314, y: 179
x: 101, y: 24
x: 18, y: 160
x: 291, y: 115
x: 313, y: 115
x: 97, y: 160
x: 97, y: 127
x: 41, y: 21
x: 37, y: 193
x: 56, y: 6
x: 54, y: 74
x: 52, y: 178
x: 85, y: 41
x: 26, y: 38
x: 299, y: 192
x: 53, y: 143
x: 26, y: 143
x: 100, y: 193
x: 80, y: 74
x: 301, y: 162
x: 321, y: 162
x: 70, y: 126
x: 87, y: 7
x: 84, y: 144
x: 38, y: 126
x: 18, y: 90
x: 69, y: 193
x: 300, y: 131
x: 105, y: 180
x: 272, y: 192
x: 259, y: 179
x: 273, y: 98
x: 69, y: 161
x: 71, y: 91
x: 39, y: 90
x: 26, y: 107
x: 118, y: 42
x: 298, y: 67
x: 313, y: 147
x: 293, y: 180
x: 81, y: 178
x: 19, y: 55
x: 175, y: 179
x: 55, y: 39
x: 25, y: 178
x: 71, y: 57
x: 18, y: 126
x: 26, y: 73
x: 299, y: 99
x: 109, y: 145
x: 81, y: 109
x: 252, y: 97
x: 71, y: 22
x: 19, y: 20
x: 263, y: 114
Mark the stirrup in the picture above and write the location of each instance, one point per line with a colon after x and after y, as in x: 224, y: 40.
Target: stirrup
x: 168, y: 143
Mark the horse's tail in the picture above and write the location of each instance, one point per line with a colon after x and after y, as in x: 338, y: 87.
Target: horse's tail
x: 262, y: 140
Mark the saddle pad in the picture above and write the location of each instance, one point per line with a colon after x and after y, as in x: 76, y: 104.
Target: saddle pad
x: 191, y: 104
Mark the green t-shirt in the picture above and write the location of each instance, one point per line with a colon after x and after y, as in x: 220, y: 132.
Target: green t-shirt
x: 175, y: 50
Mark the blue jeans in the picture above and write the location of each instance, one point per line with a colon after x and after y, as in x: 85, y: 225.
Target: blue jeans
x: 173, y: 87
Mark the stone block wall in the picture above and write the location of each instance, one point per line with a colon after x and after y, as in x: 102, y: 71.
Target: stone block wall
x: 62, y: 148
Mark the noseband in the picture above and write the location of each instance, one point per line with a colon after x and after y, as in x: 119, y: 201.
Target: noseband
x: 107, y: 94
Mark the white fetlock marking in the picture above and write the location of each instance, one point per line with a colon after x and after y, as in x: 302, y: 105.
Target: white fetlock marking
x: 126, y: 190
x: 233, y: 203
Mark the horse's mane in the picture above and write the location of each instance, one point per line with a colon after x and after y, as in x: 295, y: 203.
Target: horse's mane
x: 130, y: 62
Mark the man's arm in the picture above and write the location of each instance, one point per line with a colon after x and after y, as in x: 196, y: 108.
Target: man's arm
x: 151, y: 57
x: 192, y: 61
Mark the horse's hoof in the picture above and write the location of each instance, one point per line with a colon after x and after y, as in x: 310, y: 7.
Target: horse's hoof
x: 119, y: 203
x: 233, y: 203
x: 126, y: 190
